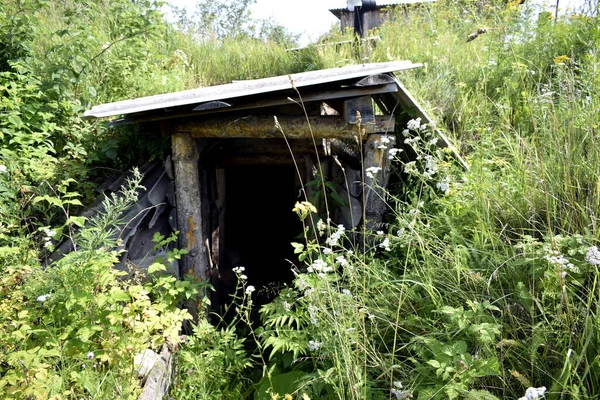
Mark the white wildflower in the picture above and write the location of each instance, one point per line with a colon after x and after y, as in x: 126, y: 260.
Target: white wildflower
x: 397, y: 384
x: 393, y: 152
x: 411, y: 141
x: 372, y: 171
x: 400, y: 232
x: 314, y: 345
x: 563, y: 275
x: 287, y: 306
x: 43, y: 298
x: 312, y: 313
x: 431, y: 165
x: 443, y: 185
x: 238, y: 270
x: 321, y: 226
x: 561, y: 262
x: 302, y: 284
x: 385, y: 244
x: 342, y: 261
x: 346, y: 292
x: 250, y: 289
x: 411, y: 168
x: 534, y: 393
x: 327, y: 250
x: 90, y: 355
x: 318, y: 266
x: 414, y: 124
x: 405, y: 132
x: 380, y: 233
x: 336, y: 236
x: 49, y: 233
x: 243, y: 277
x: 383, y: 142
x: 593, y: 256
x: 3, y: 169
x: 401, y: 394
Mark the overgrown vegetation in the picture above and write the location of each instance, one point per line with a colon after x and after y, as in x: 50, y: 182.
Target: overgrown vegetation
x: 482, y: 284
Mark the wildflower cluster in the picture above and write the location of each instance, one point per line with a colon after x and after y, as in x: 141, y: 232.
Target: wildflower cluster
x: 43, y: 298
x: 428, y: 156
x: 336, y: 236
x: 561, y: 262
x: 321, y: 227
x: 398, y: 392
x: 534, y: 393
x: 341, y: 260
x: 314, y: 345
x: 593, y: 255
x: 48, y: 235
x: 385, y: 244
x: 372, y: 171
x: 239, y: 272
x: 303, y: 209
x: 320, y: 267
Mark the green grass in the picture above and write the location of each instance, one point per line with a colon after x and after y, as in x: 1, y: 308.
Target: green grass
x: 467, y: 303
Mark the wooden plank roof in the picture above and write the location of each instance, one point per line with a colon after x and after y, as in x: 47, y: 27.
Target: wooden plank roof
x: 241, y: 89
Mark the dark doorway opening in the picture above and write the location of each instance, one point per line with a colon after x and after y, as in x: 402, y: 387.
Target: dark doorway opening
x: 259, y: 226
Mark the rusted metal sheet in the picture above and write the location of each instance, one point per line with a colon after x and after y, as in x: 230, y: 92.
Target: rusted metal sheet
x: 246, y: 88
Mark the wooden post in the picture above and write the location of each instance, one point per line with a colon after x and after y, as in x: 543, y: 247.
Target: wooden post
x: 189, y: 209
x: 377, y: 173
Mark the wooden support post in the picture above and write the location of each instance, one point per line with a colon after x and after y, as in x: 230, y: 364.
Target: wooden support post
x: 377, y: 175
x: 189, y: 209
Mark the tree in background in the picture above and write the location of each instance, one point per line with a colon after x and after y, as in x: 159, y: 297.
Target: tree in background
x: 230, y: 19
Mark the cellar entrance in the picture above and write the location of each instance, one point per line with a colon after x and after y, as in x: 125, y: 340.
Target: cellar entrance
x: 259, y: 226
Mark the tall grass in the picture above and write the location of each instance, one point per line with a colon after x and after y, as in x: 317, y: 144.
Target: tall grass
x: 480, y: 278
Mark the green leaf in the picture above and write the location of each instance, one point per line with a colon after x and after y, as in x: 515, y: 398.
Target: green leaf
x: 79, y: 221
x: 298, y: 247
x: 155, y: 267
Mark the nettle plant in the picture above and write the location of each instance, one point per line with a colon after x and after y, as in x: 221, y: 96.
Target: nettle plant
x: 73, y: 327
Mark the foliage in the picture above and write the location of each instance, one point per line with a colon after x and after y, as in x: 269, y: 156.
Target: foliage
x: 73, y: 328
x: 456, y: 296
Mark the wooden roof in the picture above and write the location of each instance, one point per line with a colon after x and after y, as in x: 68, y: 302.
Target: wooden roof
x: 227, y: 95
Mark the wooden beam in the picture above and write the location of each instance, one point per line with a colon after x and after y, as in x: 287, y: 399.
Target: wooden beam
x: 361, y: 89
x: 189, y: 209
x: 293, y: 127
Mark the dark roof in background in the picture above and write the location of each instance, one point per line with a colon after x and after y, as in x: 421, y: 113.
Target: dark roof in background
x: 338, y: 11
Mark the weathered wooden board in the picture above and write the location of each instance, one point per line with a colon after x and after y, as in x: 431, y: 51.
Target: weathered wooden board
x: 189, y: 209
x: 158, y: 381
x: 262, y: 127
